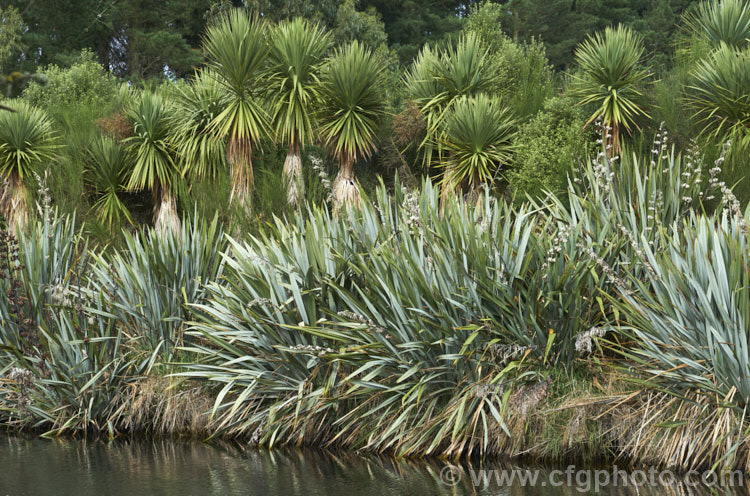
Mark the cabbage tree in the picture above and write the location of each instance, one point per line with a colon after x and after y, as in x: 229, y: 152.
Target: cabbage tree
x: 297, y: 54
x: 353, y: 105
x: 154, y: 157
x: 237, y: 52
x: 198, y: 104
x: 611, y: 79
x: 438, y: 78
x: 721, y: 22
x: 27, y: 142
x: 107, y: 168
x: 720, y: 94
x: 477, y: 136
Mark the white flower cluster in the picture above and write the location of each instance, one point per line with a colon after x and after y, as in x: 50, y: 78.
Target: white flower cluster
x: 260, y: 302
x: 655, y: 206
x: 661, y: 144
x: 608, y: 271
x: 638, y: 251
x: 558, y: 242
x: 410, y: 207
x: 319, y: 167
x: 313, y: 350
x: 505, y: 352
x: 713, y: 174
x: 45, y: 208
x: 21, y: 376
x: 361, y: 319
x: 584, y: 340
x: 68, y: 296
x: 603, y: 173
x: 484, y: 223
x: 732, y: 207
x: 60, y: 295
x: 502, y: 277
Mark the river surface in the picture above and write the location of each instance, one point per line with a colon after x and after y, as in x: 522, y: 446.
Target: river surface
x: 33, y: 466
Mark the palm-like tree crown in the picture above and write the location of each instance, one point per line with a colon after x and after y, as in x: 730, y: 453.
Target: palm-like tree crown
x: 437, y: 79
x: 107, y: 168
x: 717, y: 22
x: 27, y: 140
x: 478, y: 135
x: 464, y: 69
x: 420, y: 79
x: 611, y: 78
x: 198, y: 104
x: 720, y: 93
x: 353, y: 102
x: 297, y: 51
x: 152, y: 142
x: 237, y: 51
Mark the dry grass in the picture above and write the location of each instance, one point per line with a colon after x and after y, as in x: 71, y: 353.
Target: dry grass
x: 641, y: 426
x: 165, y: 407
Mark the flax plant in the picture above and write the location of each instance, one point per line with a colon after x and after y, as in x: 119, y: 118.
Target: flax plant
x: 154, y: 280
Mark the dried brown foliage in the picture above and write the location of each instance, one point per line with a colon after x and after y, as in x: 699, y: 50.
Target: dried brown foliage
x: 409, y: 125
x: 116, y: 126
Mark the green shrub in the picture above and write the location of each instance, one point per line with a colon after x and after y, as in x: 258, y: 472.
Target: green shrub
x: 75, y: 97
x: 549, y: 146
x: 85, y: 84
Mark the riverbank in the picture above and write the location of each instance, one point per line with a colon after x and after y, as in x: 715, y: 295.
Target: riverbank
x: 613, y: 325
x: 586, y: 419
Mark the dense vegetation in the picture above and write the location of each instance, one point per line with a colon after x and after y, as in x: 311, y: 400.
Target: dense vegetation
x: 354, y: 238
x: 226, y: 100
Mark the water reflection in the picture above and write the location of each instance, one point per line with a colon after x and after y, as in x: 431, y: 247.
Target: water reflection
x: 60, y: 467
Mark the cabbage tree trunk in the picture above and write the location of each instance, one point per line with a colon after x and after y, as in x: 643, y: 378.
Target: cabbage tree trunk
x: 611, y: 139
x: 449, y: 186
x: 165, y: 210
x: 295, y: 191
x: 14, y: 203
x: 345, y: 188
x: 240, y: 158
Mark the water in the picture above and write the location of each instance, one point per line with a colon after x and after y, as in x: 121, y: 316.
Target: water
x: 61, y: 467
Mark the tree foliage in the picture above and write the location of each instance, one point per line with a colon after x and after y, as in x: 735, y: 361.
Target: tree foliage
x: 84, y: 83
x: 563, y: 24
x: 477, y: 140
x: 11, y: 31
x: 138, y: 38
x: 548, y: 147
x: 611, y: 79
x: 522, y: 73
x: 720, y: 94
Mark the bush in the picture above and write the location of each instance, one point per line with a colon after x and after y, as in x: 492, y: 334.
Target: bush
x: 83, y: 84
x: 75, y: 97
x: 548, y: 147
